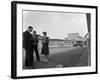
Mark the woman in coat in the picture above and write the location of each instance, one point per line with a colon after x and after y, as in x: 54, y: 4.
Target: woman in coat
x: 45, y: 47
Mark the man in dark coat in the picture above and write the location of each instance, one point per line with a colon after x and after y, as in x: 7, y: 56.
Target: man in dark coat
x: 35, y: 45
x: 28, y: 46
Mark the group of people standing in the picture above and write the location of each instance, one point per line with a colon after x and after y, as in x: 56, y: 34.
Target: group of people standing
x: 30, y: 44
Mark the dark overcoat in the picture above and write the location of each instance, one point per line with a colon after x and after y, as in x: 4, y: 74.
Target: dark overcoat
x: 27, y: 40
x: 28, y: 45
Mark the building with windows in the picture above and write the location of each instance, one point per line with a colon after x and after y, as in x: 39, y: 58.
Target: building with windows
x: 55, y: 42
x: 73, y: 39
x: 76, y: 39
x: 59, y: 43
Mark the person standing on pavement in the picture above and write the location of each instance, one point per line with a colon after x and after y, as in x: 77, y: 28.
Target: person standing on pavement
x: 45, y: 47
x: 35, y: 45
x: 28, y: 46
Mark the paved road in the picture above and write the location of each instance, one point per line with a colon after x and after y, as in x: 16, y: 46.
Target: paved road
x: 66, y: 56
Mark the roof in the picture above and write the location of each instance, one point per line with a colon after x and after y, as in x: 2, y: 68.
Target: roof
x: 56, y: 39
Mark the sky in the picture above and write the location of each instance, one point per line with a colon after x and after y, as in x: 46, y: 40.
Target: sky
x: 56, y: 24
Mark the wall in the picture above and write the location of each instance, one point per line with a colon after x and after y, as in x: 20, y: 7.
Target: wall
x: 5, y: 40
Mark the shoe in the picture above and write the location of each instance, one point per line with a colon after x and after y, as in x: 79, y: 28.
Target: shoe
x: 31, y: 67
x: 26, y: 67
x: 46, y: 61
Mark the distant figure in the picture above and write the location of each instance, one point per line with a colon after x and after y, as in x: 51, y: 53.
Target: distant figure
x: 28, y: 46
x: 45, y: 48
x: 35, y: 45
